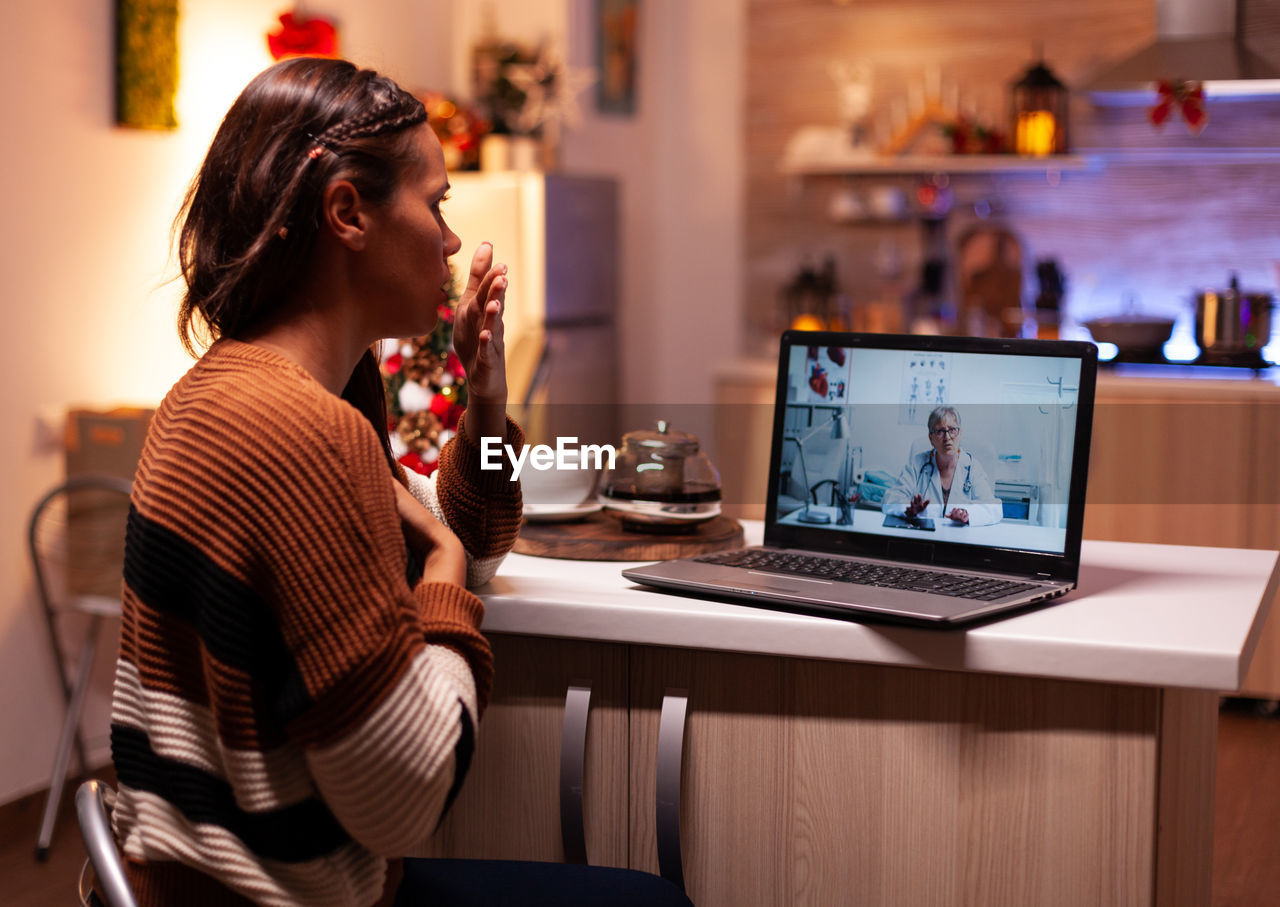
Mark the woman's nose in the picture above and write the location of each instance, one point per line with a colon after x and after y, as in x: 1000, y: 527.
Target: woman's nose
x: 452, y: 242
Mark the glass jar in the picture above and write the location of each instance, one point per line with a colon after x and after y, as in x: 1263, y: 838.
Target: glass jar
x: 661, y: 481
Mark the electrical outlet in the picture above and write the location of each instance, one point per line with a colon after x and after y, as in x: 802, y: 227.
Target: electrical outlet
x: 51, y: 429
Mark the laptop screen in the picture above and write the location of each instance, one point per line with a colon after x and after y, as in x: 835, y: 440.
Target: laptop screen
x: 945, y: 441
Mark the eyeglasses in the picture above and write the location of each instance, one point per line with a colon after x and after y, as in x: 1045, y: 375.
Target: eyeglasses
x: 950, y: 433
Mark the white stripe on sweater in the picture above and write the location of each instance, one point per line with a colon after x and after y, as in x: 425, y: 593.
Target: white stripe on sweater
x: 479, y: 569
x: 386, y: 781
x: 152, y: 829
x: 185, y: 732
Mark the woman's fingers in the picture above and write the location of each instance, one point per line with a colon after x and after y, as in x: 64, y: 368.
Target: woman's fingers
x: 481, y: 263
x: 495, y: 304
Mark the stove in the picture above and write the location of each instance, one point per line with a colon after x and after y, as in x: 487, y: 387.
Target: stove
x: 1249, y: 359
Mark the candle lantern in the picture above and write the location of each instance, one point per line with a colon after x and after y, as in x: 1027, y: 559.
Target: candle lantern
x: 1039, y: 113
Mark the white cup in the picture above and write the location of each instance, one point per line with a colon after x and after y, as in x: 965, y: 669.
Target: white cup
x: 559, y: 489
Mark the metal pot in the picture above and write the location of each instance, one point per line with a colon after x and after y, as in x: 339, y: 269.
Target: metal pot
x: 1233, y: 320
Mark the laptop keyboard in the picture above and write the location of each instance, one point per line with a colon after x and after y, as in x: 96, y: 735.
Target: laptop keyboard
x: 980, y: 588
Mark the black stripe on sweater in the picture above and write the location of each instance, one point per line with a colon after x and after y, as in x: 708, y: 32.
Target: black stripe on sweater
x: 290, y: 834
x: 174, y: 577
x: 461, y: 758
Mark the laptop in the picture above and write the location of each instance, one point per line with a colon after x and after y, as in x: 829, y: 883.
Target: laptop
x: 933, y: 480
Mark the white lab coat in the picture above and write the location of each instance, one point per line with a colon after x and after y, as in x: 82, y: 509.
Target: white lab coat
x: 920, y: 476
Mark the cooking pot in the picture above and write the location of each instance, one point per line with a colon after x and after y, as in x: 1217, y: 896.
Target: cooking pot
x: 1233, y: 320
x: 1132, y: 333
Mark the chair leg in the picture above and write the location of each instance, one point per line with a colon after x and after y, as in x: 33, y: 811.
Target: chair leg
x: 70, y: 732
x: 60, y: 662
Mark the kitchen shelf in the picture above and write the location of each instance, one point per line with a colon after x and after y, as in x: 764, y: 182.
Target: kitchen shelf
x: 1094, y: 160
x: 853, y: 165
x: 1181, y: 155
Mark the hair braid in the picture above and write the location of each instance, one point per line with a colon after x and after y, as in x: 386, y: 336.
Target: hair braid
x: 373, y: 123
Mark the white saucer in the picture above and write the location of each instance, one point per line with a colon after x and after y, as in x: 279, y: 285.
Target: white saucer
x: 557, y: 514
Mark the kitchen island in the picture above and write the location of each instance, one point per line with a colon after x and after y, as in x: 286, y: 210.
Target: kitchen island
x: 1181, y: 455
x: 1062, y: 755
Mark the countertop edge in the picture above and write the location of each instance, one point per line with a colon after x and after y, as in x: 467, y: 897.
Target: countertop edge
x: 1077, y: 639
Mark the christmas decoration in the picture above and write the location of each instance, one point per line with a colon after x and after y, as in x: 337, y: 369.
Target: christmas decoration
x: 968, y: 136
x: 426, y: 393
x: 459, y: 129
x: 527, y: 91
x: 550, y: 89
x: 1187, y: 98
x: 300, y: 35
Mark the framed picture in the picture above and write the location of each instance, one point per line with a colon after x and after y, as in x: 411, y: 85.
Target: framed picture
x: 146, y: 63
x: 617, y: 31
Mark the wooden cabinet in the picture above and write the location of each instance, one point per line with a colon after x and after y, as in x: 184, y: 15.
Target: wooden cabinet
x: 810, y: 782
x: 509, y: 808
x: 813, y: 782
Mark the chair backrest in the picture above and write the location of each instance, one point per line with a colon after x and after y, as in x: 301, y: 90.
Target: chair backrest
x: 76, y: 540
x: 95, y: 827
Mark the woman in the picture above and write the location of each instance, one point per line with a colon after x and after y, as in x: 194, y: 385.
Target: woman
x: 944, y: 480
x: 301, y: 671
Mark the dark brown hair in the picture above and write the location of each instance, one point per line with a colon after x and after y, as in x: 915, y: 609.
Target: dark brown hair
x: 248, y: 225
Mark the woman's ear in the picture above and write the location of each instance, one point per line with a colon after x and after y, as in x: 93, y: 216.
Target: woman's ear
x: 343, y: 213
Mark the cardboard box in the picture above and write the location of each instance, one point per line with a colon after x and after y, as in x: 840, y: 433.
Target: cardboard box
x: 103, y: 443
x: 106, y: 442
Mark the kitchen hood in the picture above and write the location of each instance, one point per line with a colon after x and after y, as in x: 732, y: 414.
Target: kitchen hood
x: 1196, y: 40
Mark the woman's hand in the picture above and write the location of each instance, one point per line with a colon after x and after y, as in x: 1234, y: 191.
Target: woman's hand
x: 444, y: 559
x: 478, y: 340
x: 916, y: 507
x: 960, y: 515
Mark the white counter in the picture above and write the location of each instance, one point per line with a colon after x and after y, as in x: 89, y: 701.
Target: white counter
x: 1155, y: 615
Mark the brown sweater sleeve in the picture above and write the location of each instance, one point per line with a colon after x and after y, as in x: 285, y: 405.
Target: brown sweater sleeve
x: 482, y: 506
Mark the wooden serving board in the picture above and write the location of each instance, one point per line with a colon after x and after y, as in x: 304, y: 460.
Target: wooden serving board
x: 601, y: 537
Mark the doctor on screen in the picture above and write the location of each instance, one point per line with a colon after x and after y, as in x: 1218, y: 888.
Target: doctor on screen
x: 945, y: 480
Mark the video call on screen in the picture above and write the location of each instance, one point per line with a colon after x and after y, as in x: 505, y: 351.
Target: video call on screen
x: 857, y: 443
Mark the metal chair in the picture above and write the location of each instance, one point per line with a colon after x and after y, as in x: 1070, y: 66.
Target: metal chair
x: 76, y: 541
x: 93, y: 800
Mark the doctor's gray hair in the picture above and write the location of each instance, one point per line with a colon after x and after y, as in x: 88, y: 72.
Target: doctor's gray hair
x: 939, y: 411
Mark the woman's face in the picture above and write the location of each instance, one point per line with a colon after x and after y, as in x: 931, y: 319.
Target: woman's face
x: 945, y: 435
x: 410, y: 245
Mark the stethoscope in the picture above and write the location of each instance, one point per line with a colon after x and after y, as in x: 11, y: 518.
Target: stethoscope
x: 968, y: 473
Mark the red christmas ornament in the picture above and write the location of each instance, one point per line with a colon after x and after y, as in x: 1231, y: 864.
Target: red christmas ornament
x: 440, y: 407
x: 313, y: 37
x: 411, y: 460
x: 393, y: 362
x: 1187, y: 98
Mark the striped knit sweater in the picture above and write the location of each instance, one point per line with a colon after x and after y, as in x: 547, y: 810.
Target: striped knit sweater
x: 289, y: 711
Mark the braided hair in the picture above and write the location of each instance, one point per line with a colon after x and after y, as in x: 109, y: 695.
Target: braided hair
x: 249, y: 223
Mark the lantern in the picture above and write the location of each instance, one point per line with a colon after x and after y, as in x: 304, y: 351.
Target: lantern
x: 1039, y: 113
